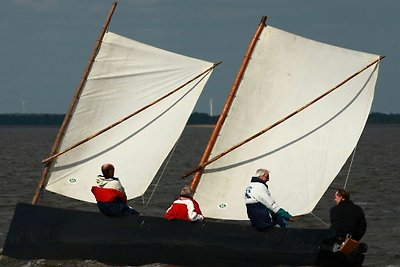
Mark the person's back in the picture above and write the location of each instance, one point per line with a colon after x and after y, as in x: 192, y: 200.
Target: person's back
x: 110, y: 194
x: 111, y: 200
x: 184, y: 208
x: 346, y: 217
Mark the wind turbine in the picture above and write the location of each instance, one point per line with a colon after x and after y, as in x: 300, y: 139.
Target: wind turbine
x: 210, y: 102
x: 23, y: 102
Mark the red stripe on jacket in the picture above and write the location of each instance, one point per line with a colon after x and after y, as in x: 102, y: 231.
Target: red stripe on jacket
x: 108, y: 194
x: 182, y: 208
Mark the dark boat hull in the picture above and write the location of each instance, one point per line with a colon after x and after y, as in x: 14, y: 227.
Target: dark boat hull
x: 52, y: 233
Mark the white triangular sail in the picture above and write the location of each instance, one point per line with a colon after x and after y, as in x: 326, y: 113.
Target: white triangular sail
x: 125, y: 77
x: 304, y: 153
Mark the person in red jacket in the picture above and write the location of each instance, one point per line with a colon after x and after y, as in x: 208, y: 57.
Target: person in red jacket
x: 110, y: 194
x: 185, y: 207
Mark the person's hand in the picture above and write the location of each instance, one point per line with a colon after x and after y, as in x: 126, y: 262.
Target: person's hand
x: 283, y: 213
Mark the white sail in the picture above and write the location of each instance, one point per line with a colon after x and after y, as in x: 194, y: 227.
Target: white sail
x: 304, y: 153
x: 126, y: 76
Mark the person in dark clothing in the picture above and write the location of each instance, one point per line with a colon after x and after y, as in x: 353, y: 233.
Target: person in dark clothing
x: 347, y: 218
x: 110, y: 194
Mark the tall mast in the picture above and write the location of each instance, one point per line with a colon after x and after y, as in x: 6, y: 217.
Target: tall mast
x: 227, y: 106
x: 220, y: 155
x: 73, y: 103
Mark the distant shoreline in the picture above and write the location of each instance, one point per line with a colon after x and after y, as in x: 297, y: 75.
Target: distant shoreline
x: 196, y: 119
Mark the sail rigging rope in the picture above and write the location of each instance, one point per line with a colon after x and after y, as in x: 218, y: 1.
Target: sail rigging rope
x: 345, y: 184
x: 351, y: 164
x: 319, y: 219
x: 159, y: 179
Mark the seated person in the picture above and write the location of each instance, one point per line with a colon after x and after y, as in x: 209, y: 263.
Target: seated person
x: 347, y: 218
x: 110, y: 195
x: 262, y: 209
x: 185, y: 207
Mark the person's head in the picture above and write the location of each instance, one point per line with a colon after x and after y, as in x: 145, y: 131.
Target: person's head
x: 341, y: 195
x: 107, y: 170
x: 186, y: 191
x: 263, y: 174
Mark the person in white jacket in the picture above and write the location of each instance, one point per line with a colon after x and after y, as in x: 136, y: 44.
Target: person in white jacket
x: 262, y: 209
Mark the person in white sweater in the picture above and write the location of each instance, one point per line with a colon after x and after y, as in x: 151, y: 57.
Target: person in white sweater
x: 262, y: 209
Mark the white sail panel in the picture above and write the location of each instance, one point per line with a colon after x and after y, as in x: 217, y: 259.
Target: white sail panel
x: 126, y: 76
x: 304, y: 153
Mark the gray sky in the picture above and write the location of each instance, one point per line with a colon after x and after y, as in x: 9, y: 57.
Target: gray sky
x: 45, y: 44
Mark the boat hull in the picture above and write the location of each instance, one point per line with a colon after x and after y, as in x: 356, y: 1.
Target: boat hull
x: 52, y: 233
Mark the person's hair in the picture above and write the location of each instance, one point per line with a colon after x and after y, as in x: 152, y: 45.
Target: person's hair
x: 186, y: 191
x: 260, y: 172
x: 343, y: 193
x: 106, y: 168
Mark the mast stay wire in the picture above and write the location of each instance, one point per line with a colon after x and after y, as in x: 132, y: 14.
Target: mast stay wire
x: 145, y: 205
x: 345, y: 184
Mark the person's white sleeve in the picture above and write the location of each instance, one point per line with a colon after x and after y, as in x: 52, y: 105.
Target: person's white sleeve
x: 262, y: 194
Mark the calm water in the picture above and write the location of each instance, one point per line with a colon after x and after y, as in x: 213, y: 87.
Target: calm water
x: 373, y: 182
